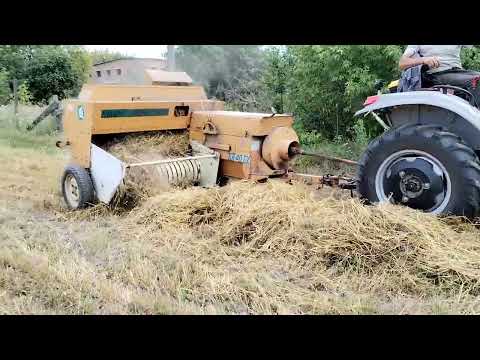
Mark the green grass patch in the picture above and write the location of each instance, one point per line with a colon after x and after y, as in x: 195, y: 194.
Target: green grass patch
x: 313, y: 141
x: 13, y: 131
x: 14, y: 138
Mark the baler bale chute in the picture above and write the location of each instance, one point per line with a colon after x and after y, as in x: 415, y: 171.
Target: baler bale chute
x: 224, y: 144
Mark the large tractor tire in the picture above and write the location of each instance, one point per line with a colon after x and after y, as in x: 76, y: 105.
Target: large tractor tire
x: 77, y: 187
x: 423, y: 167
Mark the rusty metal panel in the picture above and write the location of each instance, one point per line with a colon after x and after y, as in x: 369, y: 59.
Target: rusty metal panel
x: 233, y: 169
x: 238, y: 123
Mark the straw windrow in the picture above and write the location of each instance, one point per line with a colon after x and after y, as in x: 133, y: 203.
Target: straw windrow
x: 143, y: 182
x: 283, y: 221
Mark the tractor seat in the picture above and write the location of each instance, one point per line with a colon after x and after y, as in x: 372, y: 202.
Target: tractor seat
x: 427, y: 84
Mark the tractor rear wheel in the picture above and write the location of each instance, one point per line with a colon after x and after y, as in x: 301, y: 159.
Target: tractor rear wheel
x: 77, y: 187
x: 423, y: 167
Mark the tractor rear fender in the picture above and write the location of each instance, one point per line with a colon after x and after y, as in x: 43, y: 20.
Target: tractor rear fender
x: 429, y: 107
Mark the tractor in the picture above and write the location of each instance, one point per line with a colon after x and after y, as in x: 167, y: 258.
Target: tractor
x: 428, y: 156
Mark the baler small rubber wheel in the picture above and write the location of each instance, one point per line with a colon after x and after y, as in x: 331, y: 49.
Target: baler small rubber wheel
x: 77, y: 187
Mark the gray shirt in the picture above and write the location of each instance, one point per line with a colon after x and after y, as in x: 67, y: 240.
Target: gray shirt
x: 448, y: 55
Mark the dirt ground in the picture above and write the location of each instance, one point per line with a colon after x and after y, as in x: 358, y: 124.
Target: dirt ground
x: 199, y: 251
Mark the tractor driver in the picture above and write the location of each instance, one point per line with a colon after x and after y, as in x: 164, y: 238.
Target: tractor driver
x: 445, y: 66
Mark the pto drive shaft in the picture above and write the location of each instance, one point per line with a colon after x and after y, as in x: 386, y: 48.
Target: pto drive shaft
x: 299, y: 151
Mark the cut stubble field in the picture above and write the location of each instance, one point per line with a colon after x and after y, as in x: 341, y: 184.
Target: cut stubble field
x: 244, y: 248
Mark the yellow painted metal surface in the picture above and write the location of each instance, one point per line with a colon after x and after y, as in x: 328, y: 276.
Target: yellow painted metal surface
x: 100, y: 92
x: 276, y: 146
x: 239, y: 123
x: 111, y: 109
x: 237, y: 136
x: 393, y: 84
x: 108, y: 119
x: 77, y: 122
x: 168, y: 116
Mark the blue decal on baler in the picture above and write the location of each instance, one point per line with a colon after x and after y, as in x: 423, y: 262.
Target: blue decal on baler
x: 239, y: 158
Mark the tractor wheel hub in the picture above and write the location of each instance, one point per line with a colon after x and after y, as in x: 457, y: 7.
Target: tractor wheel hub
x: 411, y: 186
x: 415, y: 180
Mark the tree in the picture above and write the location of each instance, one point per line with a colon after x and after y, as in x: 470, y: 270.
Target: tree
x: 4, y: 88
x: 222, y: 68
x: 56, y: 70
x: 98, y: 56
x: 46, y: 70
x: 279, y: 64
x: 471, y: 58
x: 81, y: 63
x: 13, y: 59
x: 328, y: 83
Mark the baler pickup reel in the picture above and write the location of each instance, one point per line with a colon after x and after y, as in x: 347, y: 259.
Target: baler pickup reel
x: 108, y: 172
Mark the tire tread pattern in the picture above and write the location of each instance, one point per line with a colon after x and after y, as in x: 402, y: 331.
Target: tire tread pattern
x: 85, y: 185
x: 468, y: 162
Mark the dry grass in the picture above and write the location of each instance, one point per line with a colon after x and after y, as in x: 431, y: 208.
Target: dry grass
x: 241, y: 249
x: 143, y: 182
x: 294, y: 250
x: 142, y: 147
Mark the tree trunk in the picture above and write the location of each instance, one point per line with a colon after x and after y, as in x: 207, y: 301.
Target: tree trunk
x: 15, y: 102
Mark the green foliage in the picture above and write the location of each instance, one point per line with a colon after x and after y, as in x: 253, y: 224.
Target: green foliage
x: 98, y: 56
x: 13, y: 58
x: 328, y: 83
x: 46, y: 69
x: 56, y: 70
x: 361, y: 135
x: 279, y: 64
x: 81, y: 64
x: 4, y: 88
x: 471, y: 59
x: 308, y: 139
x: 24, y: 96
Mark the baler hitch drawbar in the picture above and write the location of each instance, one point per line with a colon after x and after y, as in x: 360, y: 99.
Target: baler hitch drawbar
x: 321, y: 180
x: 298, y: 151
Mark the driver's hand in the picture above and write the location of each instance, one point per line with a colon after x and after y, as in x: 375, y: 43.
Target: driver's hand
x: 432, y: 62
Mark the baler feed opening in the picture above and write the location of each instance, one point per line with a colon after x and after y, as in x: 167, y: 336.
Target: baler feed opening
x: 108, y: 172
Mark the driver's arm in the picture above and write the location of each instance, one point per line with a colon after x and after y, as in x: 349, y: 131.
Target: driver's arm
x: 407, y: 60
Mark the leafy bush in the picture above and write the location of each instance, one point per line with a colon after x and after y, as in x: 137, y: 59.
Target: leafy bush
x: 47, y: 70
x: 56, y: 71
x: 4, y: 88
x: 24, y: 96
x: 279, y: 64
x: 471, y: 59
x: 328, y: 83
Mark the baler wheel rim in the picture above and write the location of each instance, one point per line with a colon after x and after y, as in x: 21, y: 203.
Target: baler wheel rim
x: 71, y: 190
x: 77, y: 187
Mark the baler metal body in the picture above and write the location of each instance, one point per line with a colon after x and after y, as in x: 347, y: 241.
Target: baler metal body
x: 248, y: 145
